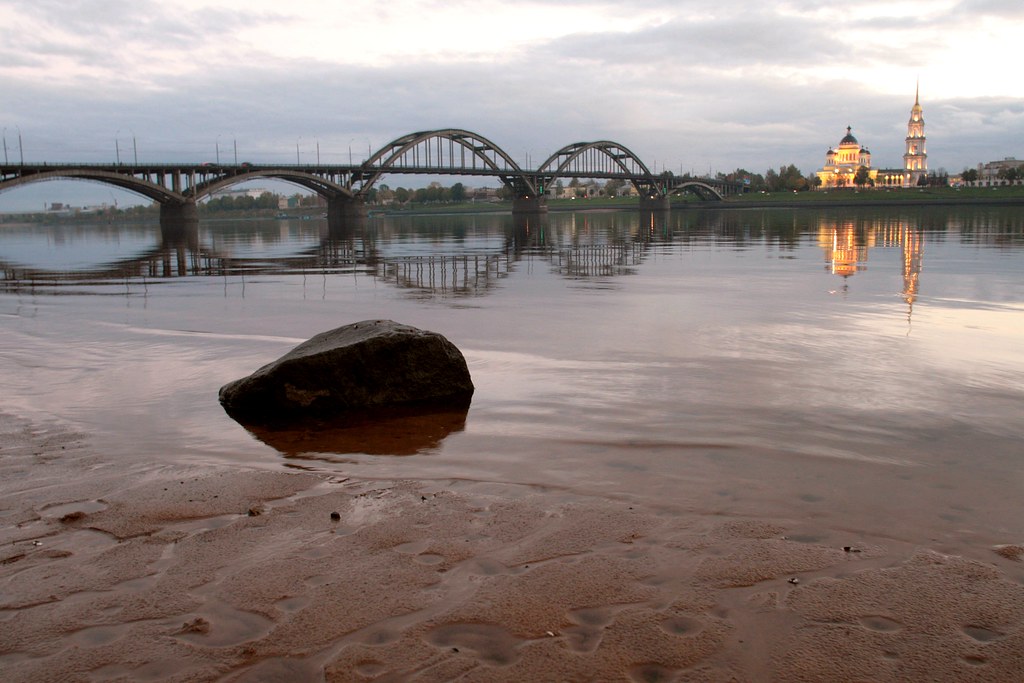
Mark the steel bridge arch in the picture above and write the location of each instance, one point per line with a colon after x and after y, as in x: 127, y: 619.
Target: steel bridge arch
x: 603, y: 158
x: 425, y: 151
x: 322, y: 186
x: 702, y: 190
x: 145, y: 188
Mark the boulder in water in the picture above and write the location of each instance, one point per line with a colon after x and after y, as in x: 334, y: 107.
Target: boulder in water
x: 369, y: 365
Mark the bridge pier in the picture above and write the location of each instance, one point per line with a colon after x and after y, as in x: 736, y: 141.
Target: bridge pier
x: 179, y: 223
x: 524, y: 205
x: 346, y: 207
x: 174, y: 213
x: 656, y: 203
x: 345, y: 212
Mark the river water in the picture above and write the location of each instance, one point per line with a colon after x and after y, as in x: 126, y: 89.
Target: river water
x: 854, y: 371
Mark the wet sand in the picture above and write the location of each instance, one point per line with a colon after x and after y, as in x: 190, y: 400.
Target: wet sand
x: 199, y: 573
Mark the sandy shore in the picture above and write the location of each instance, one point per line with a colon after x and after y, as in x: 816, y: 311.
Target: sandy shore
x: 181, y: 573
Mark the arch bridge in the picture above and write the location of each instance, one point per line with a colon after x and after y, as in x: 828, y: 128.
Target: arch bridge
x: 451, y: 151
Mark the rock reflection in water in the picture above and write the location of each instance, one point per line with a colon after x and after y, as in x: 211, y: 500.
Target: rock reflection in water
x: 395, y: 432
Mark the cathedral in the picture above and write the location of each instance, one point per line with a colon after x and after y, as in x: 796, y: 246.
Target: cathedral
x: 842, y: 164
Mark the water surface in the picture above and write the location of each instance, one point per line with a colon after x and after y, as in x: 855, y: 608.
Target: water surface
x: 857, y: 371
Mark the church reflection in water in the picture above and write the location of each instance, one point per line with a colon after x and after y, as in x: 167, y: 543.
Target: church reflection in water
x: 846, y: 244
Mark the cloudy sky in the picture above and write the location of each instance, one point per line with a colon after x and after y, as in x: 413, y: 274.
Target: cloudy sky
x: 691, y: 86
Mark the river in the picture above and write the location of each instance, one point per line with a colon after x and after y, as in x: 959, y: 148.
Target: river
x: 848, y: 370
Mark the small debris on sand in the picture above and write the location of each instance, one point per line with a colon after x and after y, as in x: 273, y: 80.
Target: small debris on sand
x: 197, y: 625
x: 1010, y: 552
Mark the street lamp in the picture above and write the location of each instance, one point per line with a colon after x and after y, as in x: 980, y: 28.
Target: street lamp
x: 369, y: 151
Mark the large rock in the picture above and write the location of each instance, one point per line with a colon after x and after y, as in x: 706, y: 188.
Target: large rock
x: 364, y: 366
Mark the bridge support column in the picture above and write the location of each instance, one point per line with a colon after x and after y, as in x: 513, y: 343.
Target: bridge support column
x: 178, y: 220
x: 344, y: 212
x: 656, y: 203
x: 179, y: 223
x: 524, y: 205
x: 174, y: 212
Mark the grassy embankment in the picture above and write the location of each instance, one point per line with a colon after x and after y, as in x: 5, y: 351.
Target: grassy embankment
x: 929, y: 195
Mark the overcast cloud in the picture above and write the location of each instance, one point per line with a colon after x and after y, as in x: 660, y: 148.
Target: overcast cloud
x: 688, y: 86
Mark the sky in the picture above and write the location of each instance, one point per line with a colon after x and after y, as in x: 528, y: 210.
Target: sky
x: 691, y: 87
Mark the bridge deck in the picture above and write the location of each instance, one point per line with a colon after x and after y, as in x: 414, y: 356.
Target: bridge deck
x: 445, y: 152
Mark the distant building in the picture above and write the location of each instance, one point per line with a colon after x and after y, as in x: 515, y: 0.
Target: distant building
x: 485, y: 194
x: 255, y: 193
x: 992, y: 169
x: 842, y: 164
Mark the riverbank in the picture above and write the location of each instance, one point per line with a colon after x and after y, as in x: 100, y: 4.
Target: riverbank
x: 938, y: 196
x: 202, y: 573
x: 934, y: 196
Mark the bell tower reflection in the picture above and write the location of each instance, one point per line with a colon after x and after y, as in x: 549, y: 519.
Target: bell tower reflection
x: 912, y: 251
x: 846, y: 245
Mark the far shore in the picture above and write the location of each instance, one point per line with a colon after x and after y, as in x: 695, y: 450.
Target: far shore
x: 927, y: 196
x: 932, y: 196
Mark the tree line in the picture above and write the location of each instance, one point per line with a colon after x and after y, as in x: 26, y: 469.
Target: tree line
x: 241, y: 202
x: 786, y: 179
x: 435, y: 193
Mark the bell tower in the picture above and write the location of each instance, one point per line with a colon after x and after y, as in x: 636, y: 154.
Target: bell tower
x: 915, y: 158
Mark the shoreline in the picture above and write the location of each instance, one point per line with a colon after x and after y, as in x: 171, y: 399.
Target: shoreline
x: 728, y: 205
x: 561, y: 207
x: 875, y: 203
x: 204, y: 573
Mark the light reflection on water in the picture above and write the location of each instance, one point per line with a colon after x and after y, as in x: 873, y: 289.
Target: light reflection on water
x: 863, y: 368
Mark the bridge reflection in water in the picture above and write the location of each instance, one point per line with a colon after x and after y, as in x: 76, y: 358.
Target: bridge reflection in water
x: 374, y: 248
x: 469, y: 255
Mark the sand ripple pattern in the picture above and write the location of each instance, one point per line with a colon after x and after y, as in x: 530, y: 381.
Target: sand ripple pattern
x: 201, y: 574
